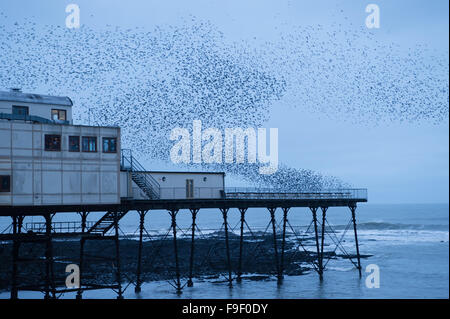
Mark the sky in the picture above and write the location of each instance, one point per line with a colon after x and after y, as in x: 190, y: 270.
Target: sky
x: 398, y: 161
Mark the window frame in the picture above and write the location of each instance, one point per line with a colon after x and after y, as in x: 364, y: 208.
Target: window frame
x: 8, y: 178
x: 69, y: 144
x: 103, y: 145
x: 82, y: 144
x: 23, y: 107
x: 45, y: 142
x: 58, y: 111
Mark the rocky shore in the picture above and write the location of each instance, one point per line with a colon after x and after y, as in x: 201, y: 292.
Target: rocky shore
x: 158, y: 261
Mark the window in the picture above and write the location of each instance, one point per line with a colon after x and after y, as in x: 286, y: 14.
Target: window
x: 52, y: 142
x: 20, y: 110
x: 5, y: 184
x: 89, y: 144
x: 59, y: 115
x: 109, y: 145
x: 74, y: 143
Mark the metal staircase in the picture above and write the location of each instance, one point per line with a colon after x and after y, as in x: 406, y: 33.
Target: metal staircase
x: 139, y: 175
x: 146, y: 183
x: 104, y: 224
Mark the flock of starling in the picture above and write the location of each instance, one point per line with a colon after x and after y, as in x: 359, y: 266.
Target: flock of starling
x: 148, y: 82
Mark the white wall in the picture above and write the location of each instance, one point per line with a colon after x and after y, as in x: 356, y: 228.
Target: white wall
x: 40, y: 177
x: 174, y: 185
x: 42, y: 110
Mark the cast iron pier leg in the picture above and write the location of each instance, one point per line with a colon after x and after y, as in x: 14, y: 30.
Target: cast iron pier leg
x: 80, y: 290
x: 49, y: 280
x: 142, y: 213
x: 15, y: 256
x: 314, y: 213
x: 83, y: 221
x: 241, y: 244
x: 117, y: 242
x: 324, y: 212
x: 194, y: 212
x: 353, y: 209
x: 19, y: 223
x: 82, y: 241
x: 227, y: 244
x: 283, y: 243
x: 274, y: 230
x: 173, y: 214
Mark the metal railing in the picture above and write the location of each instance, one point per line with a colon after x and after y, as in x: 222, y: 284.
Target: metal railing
x: 271, y: 193
x: 57, y: 227
x: 260, y: 193
x: 198, y: 192
x: 138, y: 173
x: 30, y: 118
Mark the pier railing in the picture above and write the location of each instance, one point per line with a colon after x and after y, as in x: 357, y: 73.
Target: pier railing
x: 271, y: 193
x: 169, y: 193
x: 197, y: 192
x: 57, y: 227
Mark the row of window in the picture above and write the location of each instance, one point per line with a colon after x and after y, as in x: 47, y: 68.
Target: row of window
x: 88, y: 143
x: 56, y: 114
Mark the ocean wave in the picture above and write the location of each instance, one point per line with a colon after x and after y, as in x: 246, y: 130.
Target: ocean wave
x: 394, y: 226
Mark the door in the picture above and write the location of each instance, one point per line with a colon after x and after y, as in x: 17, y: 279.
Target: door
x: 189, y: 188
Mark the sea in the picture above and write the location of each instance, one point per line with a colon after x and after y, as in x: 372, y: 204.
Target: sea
x: 408, y: 245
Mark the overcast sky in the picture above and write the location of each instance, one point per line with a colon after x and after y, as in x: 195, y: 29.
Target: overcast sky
x: 398, y: 162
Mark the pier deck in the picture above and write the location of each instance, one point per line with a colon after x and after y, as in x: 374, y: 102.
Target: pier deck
x: 234, y: 198
x: 107, y: 228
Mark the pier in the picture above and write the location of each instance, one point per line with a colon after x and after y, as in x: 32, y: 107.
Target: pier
x: 106, y: 228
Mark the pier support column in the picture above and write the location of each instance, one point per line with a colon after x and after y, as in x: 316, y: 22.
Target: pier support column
x: 227, y: 245
x: 241, y: 244
x: 80, y: 290
x: 324, y: 220
x: 20, y: 223
x: 117, y: 242
x: 353, y: 210
x: 83, y: 221
x: 274, y: 230
x: 173, y: 214
x: 49, y: 274
x: 82, y: 241
x: 15, y: 257
x: 142, y: 214
x: 319, y: 265
x: 283, y: 243
x: 194, y: 212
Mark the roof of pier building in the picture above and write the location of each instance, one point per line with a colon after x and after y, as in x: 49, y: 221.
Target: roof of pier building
x: 16, y: 95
